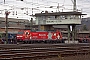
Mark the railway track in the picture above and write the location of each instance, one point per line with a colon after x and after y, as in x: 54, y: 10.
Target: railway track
x: 42, y: 51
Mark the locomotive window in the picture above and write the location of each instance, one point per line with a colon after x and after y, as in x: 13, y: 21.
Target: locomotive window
x: 21, y: 32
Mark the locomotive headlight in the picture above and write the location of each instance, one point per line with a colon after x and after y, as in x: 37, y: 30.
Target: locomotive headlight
x: 58, y: 36
x: 19, y: 36
x: 30, y: 37
x: 54, y: 34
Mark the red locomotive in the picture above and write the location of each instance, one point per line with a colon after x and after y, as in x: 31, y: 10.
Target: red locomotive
x: 28, y: 36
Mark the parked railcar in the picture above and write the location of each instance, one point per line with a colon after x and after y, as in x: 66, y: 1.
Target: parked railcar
x: 11, y: 38
x: 84, y: 40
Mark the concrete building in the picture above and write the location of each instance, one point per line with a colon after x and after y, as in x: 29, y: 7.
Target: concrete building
x: 13, y: 25
x: 47, y: 20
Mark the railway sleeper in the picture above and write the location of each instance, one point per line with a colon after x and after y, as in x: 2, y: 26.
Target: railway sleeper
x: 7, y: 55
x: 18, y: 58
x: 41, y: 57
x: 6, y: 58
x: 23, y: 54
x: 81, y: 53
x: 67, y: 54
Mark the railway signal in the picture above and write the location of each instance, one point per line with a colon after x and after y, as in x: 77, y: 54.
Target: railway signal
x: 7, y: 13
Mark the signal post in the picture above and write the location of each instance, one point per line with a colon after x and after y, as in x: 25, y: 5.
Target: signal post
x: 6, y: 38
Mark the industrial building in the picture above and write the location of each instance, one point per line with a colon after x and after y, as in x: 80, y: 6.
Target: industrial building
x: 13, y: 25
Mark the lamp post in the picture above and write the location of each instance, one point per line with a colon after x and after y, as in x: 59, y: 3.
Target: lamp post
x: 6, y: 13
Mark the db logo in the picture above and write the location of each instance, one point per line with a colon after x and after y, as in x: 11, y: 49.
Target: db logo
x: 26, y: 34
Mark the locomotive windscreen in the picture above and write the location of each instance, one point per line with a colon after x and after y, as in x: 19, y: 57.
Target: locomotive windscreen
x: 20, y: 32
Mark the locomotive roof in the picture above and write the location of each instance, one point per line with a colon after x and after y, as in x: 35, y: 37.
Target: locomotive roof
x: 40, y: 30
x: 59, y: 13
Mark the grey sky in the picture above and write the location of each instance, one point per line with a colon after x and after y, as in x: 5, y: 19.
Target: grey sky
x: 41, y: 5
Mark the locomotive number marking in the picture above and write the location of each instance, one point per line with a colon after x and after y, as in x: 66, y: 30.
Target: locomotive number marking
x: 42, y: 34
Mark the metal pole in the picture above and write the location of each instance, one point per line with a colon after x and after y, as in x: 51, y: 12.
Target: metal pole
x: 73, y: 26
x: 31, y: 23
x: 7, y: 13
x: 6, y: 28
x: 58, y: 7
x: 73, y: 33
x: 69, y: 33
x: 39, y: 25
x: 74, y: 5
x: 4, y: 1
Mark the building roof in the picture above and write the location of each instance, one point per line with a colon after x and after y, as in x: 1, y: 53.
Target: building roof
x: 13, y: 19
x: 12, y: 27
x: 84, y: 32
x: 59, y: 13
x: 15, y: 32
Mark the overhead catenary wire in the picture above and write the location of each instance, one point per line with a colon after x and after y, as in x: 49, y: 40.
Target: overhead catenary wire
x: 39, y: 6
x: 36, y: 7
